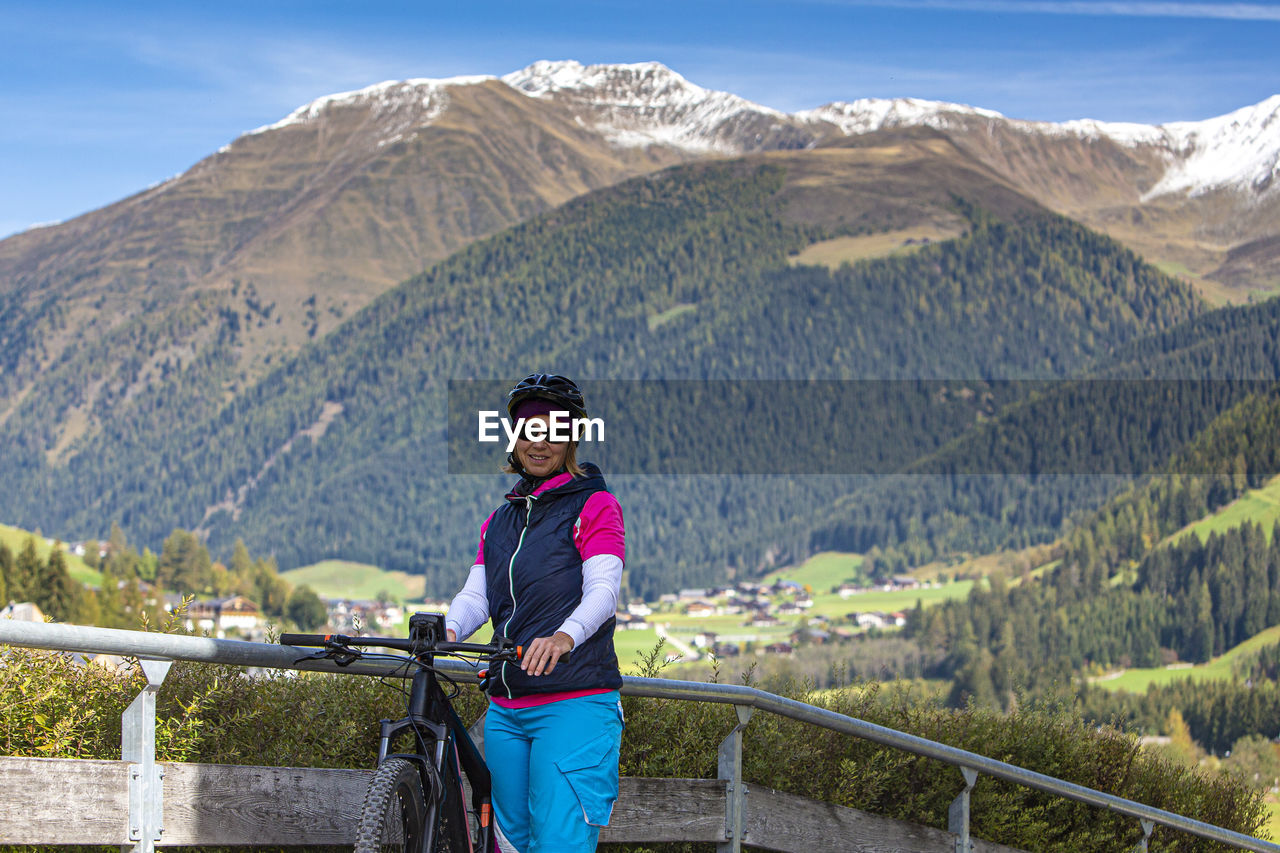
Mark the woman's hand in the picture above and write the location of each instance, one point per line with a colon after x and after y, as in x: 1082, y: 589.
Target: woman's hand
x: 451, y: 635
x: 541, y: 655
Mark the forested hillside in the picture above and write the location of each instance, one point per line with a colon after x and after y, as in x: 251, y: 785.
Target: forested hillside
x: 1126, y: 591
x: 340, y: 450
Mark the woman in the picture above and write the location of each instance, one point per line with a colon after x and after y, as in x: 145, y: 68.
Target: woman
x: 548, y: 574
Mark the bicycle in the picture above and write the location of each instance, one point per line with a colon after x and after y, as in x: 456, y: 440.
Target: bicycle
x: 415, y: 801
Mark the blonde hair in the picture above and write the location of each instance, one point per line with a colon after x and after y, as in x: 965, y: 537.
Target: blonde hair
x: 570, y: 462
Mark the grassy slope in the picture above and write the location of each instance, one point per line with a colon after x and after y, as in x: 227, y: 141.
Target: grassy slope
x: 1261, y: 506
x: 343, y: 579
x: 821, y: 571
x: 1218, y: 669
x: 849, y: 250
x: 16, y: 539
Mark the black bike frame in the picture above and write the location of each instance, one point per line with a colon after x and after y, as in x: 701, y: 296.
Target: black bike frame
x: 437, y: 730
x: 428, y: 705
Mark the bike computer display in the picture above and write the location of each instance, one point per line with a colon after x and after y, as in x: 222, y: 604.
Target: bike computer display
x: 427, y: 628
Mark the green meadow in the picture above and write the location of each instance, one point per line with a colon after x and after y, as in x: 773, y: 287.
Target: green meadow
x: 344, y: 579
x: 821, y: 572
x: 16, y: 539
x: 1218, y: 669
x: 1261, y: 506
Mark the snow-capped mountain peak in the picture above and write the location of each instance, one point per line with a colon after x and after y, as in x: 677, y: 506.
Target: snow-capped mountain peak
x: 644, y: 103
x: 639, y: 84
x: 1240, y: 149
x: 870, y: 114
x: 424, y: 93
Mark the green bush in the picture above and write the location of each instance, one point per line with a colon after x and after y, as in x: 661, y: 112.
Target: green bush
x: 52, y: 706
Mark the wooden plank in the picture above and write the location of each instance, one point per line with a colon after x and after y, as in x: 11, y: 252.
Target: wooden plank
x: 652, y: 810
x: 231, y: 805
x: 793, y: 824
x: 224, y: 804
x: 63, y: 801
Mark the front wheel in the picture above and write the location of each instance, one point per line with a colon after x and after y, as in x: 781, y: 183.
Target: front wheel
x: 394, y: 813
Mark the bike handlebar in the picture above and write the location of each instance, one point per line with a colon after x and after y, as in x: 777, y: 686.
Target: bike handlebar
x: 404, y: 644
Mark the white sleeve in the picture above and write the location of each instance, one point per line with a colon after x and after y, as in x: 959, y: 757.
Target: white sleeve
x: 470, y: 607
x: 601, y: 585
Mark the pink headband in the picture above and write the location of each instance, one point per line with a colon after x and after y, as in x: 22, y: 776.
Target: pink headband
x: 535, y: 406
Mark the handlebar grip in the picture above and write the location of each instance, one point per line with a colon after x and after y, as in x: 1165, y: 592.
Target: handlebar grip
x: 304, y: 639
x: 564, y: 658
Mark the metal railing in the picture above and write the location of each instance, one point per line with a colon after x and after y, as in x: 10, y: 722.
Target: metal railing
x: 139, y: 725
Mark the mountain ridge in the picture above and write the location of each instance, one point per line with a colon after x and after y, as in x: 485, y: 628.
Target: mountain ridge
x: 1237, y: 150
x: 274, y: 240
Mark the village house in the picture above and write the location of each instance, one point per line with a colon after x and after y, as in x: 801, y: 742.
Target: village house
x: 24, y: 611
x: 700, y: 608
x: 878, y: 619
x: 345, y: 614
x: 630, y: 622
x: 815, y: 636
x: 869, y: 620
x: 219, y: 615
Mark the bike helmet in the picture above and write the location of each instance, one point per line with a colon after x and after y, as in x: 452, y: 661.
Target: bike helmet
x: 547, y: 386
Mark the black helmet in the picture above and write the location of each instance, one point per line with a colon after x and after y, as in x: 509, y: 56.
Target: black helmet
x: 547, y: 386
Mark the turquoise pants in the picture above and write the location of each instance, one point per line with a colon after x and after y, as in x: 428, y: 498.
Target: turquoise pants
x: 555, y: 772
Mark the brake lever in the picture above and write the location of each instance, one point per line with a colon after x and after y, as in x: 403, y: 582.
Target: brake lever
x: 341, y: 656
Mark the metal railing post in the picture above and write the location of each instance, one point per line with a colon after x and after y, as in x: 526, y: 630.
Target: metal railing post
x: 729, y: 768
x: 138, y: 747
x: 958, y: 813
x: 1147, y: 827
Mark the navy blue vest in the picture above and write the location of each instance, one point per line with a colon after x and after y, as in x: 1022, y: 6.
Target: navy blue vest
x: 533, y: 575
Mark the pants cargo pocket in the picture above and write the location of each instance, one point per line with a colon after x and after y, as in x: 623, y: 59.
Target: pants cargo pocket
x: 592, y: 773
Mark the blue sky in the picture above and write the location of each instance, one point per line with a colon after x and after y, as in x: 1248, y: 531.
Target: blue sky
x: 100, y: 100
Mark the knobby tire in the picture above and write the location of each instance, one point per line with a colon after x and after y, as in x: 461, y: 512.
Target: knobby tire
x: 392, y: 819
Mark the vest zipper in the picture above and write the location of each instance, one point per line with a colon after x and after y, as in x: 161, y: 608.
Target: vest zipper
x: 511, y: 581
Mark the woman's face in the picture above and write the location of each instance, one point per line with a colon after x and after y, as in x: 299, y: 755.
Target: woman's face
x: 540, y: 458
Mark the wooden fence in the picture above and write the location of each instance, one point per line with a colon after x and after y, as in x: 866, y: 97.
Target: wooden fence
x: 57, y: 801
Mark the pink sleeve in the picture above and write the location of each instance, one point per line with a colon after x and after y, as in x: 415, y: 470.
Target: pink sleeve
x: 480, y: 550
x: 599, y: 528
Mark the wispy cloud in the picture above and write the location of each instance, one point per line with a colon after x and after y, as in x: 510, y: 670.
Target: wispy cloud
x: 1101, y: 8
